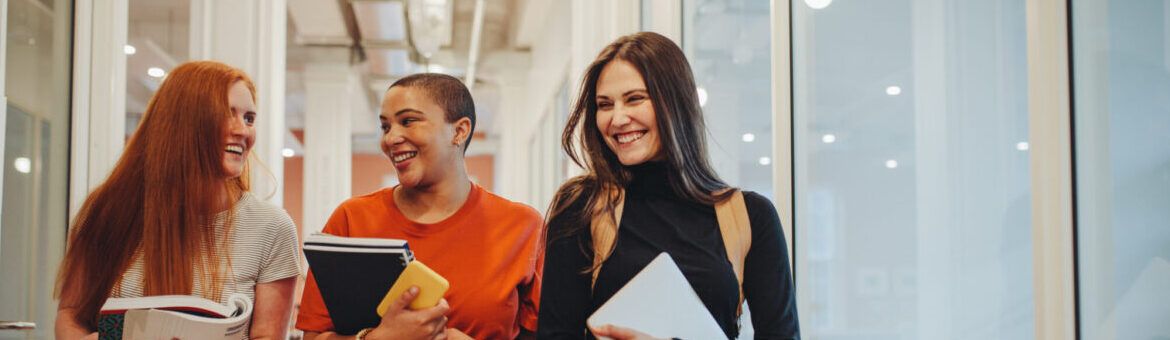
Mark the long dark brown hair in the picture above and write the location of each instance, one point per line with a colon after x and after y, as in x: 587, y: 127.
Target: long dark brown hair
x: 671, y: 88
x: 159, y: 202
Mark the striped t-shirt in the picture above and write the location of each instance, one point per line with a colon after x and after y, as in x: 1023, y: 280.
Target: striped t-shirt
x: 263, y: 247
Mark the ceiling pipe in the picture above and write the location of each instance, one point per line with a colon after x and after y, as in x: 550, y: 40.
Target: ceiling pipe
x: 473, y: 54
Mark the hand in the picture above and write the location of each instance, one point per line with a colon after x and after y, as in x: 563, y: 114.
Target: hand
x: 400, y: 322
x: 91, y: 336
x: 455, y: 334
x: 619, y: 333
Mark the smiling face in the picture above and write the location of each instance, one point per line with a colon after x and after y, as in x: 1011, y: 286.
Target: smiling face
x: 241, y: 133
x: 625, y: 115
x: 417, y: 138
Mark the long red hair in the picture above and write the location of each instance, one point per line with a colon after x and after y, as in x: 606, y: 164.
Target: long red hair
x: 159, y: 203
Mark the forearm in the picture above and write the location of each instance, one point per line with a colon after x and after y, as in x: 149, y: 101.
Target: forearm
x: 67, y: 326
x: 273, y: 309
x: 326, y: 336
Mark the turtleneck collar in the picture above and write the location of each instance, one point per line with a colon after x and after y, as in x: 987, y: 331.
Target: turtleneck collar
x: 651, y: 178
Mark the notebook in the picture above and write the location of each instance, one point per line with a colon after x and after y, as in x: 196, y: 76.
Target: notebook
x: 353, y: 275
x: 660, y: 302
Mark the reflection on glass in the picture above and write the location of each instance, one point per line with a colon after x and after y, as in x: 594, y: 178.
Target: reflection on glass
x: 913, y: 204
x: 729, y: 47
x: 36, y: 154
x: 1121, y: 73
x: 157, y: 41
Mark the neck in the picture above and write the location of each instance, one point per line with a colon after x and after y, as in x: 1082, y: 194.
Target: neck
x: 435, y: 202
x: 226, y: 198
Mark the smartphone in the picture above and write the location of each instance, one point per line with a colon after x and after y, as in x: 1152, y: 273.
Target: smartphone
x: 431, y: 287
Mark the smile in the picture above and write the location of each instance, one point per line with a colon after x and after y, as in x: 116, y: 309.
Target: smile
x: 235, y: 148
x: 629, y: 137
x: 401, y: 157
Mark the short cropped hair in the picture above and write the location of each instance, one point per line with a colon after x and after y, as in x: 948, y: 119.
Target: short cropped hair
x: 447, y: 91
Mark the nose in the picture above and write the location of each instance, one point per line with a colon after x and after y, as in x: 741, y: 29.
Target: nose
x: 621, y: 116
x: 393, y: 136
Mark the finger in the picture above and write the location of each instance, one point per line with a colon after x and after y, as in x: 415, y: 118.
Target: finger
x: 402, y: 302
x: 438, y: 310
x: 616, y: 332
x: 600, y: 331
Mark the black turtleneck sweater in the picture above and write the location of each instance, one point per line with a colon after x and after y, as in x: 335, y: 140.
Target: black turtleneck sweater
x: 656, y: 219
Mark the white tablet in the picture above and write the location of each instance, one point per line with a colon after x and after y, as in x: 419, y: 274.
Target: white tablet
x: 660, y: 302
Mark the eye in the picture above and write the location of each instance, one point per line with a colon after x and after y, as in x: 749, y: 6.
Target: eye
x: 634, y: 99
x: 385, y: 128
x: 407, y: 121
x: 604, y: 105
x: 250, y: 118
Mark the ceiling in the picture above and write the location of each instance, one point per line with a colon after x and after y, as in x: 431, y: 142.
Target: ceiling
x: 382, y: 40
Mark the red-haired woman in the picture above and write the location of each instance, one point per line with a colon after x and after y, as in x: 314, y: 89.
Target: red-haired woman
x: 175, y: 216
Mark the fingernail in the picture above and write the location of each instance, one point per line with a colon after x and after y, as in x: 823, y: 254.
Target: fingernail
x: 413, y: 290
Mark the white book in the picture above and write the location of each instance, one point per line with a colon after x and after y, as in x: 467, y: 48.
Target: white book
x: 175, y: 316
x: 659, y: 301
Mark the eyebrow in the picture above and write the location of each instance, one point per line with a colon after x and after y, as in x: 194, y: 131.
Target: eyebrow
x: 401, y: 112
x: 626, y: 93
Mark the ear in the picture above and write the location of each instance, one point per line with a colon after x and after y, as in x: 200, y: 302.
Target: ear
x: 462, y: 131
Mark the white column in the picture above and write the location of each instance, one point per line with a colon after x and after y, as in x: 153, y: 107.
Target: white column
x: 934, y: 220
x: 3, y: 94
x: 99, y: 94
x: 328, y: 156
x: 250, y: 35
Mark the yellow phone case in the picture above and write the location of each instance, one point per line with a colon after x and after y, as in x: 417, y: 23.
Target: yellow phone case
x: 431, y: 287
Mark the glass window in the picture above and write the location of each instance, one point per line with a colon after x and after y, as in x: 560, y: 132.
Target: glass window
x: 1121, y: 75
x: 911, y: 164
x: 157, y: 40
x: 35, y: 160
x: 729, y: 47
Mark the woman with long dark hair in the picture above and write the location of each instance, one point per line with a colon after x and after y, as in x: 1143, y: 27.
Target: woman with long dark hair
x: 638, y: 131
x: 175, y: 216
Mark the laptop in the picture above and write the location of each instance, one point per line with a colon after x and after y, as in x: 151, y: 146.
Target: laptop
x: 660, y: 302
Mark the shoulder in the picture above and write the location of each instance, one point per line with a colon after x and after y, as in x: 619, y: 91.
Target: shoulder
x: 252, y: 208
x: 756, y: 202
x: 761, y: 212
x: 504, y: 206
x: 256, y: 212
x: 364, y: 201
x: 574, y: 193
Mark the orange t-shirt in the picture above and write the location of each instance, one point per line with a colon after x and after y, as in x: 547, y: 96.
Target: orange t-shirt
x: 490, y: 251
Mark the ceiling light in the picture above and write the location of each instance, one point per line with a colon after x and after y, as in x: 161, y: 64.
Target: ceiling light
x: 702, y: 97
x: 22, y: 164
x: 748, y: 137
x: 1022, y: 146
x: 156, y: 72
x: 891, y: 164
x: 893, y: 90
x: 129, y: 49
x: 765, y: 161
x: 828, y: 138
x: 818, y: 4
x: 287, y: 153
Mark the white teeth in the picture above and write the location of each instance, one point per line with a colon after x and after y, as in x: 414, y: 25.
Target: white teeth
x: 234, y: 149
x: 629, y: 137
x: 404, y: 156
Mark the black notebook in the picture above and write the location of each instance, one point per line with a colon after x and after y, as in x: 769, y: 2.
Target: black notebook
x: 353, y: 275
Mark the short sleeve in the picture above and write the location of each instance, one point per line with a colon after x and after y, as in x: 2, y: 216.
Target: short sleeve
x: 283, y: 258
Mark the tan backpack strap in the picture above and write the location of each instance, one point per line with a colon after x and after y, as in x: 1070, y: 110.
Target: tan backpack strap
x: 604, y: 230
x: 737, y: 236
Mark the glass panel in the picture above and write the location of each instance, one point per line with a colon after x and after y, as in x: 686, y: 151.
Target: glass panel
x: 35, y: 162
x: 1121, y: 73
x: 729, y: 47
x: 157, y: 41
x: 911, y: 165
